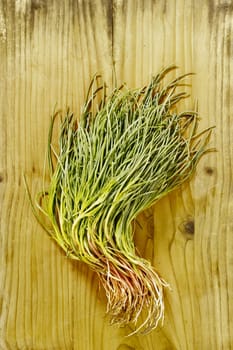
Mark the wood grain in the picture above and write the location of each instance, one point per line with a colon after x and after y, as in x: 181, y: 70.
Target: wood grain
x: 49, y: 50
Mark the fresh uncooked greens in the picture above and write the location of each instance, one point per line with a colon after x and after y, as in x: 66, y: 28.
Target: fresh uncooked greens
x: 124, y: 152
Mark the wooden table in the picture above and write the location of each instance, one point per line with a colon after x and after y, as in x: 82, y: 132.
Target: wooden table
x: 49, y: 50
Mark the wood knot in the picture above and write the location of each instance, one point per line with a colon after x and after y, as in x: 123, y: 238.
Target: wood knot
x: 188, y: 227
x: 209, y: 170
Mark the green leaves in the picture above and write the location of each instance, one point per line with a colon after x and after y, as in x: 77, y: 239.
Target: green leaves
x: 125, y: 152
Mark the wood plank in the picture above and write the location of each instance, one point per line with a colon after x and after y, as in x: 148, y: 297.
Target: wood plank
x: 197, y: 36
x: 49, y: 50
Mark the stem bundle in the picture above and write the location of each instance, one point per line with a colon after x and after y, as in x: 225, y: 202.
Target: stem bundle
x: 122, y: 155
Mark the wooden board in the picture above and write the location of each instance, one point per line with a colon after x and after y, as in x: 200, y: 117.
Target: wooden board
x: 49, y: 50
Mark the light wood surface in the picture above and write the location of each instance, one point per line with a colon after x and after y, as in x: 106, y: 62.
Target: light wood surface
x: 49, y: 50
